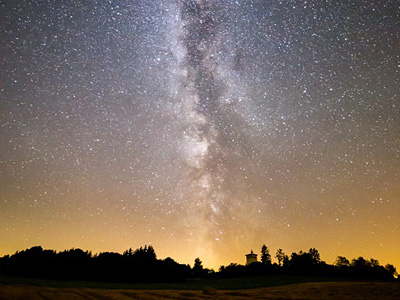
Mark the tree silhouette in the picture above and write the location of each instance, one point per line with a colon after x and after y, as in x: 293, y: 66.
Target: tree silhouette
x: 341, y: 262
x: 265, y: 256
x: 306, y: 262
x: 198, y: 267
x: 198, y: 264
x: 280, y: 256
x: 373, y: 262
x: 142, y: 265
x: 128, y: 252
x: 359, y: 263
x: 151, y: 254
x: 391, y: 269
x: 314, y: 254
x: 286, y: 261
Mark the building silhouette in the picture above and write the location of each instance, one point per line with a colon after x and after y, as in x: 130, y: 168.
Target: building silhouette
x: 251, y: 257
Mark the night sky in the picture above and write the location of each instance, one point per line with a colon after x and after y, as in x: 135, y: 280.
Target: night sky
x: 203, y: 127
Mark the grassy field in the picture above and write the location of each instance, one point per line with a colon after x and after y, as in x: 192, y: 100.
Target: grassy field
x: 191, y: 284
x: 300, y: 291
x: 262, y: 287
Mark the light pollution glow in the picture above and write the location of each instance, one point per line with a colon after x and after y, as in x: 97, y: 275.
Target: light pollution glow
x: 203, y: 127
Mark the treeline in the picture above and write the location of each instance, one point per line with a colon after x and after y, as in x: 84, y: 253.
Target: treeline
x: 142, y: 265
x: 310, y: 264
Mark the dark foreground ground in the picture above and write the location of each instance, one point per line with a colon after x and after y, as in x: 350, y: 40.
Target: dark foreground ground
x: 261, y: 287
x: 310, y: 291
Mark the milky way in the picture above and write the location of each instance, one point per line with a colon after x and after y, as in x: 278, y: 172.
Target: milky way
x: 206, y: 128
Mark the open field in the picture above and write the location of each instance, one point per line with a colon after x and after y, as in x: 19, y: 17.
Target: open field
x: 190, y: 284
x: 311, y: 291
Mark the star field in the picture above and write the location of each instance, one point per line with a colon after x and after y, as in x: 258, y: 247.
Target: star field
x: 204, y: 127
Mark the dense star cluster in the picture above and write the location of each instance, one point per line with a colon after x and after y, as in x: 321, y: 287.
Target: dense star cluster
x: 203, y: 127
